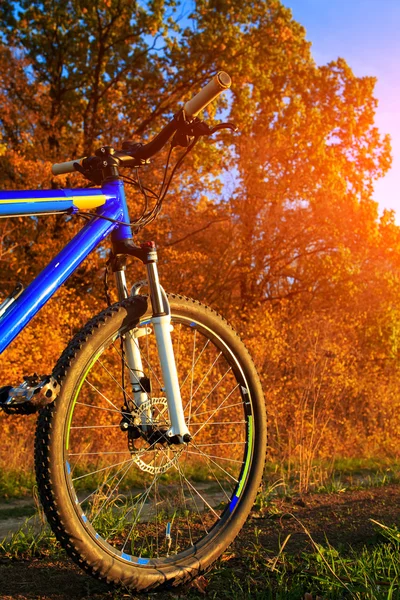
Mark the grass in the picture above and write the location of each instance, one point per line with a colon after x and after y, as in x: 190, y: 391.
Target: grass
x: 371, y: 573
x: 16, y: 483
x: 345, y: 475
x: 327, y: 476
x: 197, y: 472
x: 251, y: 571
x: 366, y: 574
x: 334, y: 476
x: 33, y: 539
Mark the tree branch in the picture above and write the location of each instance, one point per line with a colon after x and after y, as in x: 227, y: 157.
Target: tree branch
x: 188, y: 235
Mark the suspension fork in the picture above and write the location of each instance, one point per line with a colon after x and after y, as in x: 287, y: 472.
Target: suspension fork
x: 133, y: 355
x: 161, y: 321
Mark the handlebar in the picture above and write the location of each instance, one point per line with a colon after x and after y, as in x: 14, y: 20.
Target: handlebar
x: 66, y: 167
x: 212, y: 90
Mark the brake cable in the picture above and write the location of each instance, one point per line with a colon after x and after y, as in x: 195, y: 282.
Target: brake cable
x: 187, y: 136
x: 146, y: 219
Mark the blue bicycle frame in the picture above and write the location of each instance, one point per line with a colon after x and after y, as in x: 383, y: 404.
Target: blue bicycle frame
x: 109, y: 202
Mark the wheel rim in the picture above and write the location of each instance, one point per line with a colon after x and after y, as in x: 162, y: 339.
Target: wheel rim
x: 144, y: 501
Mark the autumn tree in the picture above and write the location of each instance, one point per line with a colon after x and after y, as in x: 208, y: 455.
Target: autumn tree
x: 274, y: 225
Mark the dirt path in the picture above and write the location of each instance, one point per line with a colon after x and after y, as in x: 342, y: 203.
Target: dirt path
x: 13, y: 515
x: 341, y: 518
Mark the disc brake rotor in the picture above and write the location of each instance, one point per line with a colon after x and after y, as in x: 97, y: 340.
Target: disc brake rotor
x: 157, y: 457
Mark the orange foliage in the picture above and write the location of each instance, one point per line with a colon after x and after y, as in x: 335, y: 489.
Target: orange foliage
x: 275, y: 226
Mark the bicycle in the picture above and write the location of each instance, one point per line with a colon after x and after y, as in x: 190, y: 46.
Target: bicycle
x: 151, y: 432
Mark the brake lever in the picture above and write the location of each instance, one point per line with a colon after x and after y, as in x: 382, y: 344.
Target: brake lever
x: 227, y: 125
x: 90, y: 169
x: 187, y: 130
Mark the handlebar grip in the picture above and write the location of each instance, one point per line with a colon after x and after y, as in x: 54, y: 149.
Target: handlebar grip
x: 214, y: 88
x: 66, y: 167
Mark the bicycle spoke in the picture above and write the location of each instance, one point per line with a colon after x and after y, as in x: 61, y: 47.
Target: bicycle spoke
x: 191, y: 380
x: 217, y: 409
x: 100, y: 453
x: 94, y: 426
x: 100, y: 470
x: 101, y: 394
x: 215, y: 463
x: 177, y: 466
x: 186, y: 511
x: 223, y: 408
x: 157, y: 498
x: 217, y: 480
x: 112, y: 492
x: 145, y: 496
x: 240, y: 462
x: 199, y: 495
x: 219, y: 444
x: 213, y: 390
x: 207, y: 374
x: 98, y: 407
x: 204, y: 378
x: 115, y: 380
x: 197, y: 360
x: 112, y: 477
x: 135, y: 341
x: 218, y: 423
x: 133, y: 370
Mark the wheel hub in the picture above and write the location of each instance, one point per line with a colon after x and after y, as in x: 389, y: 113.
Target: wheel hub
x: 151, y: 426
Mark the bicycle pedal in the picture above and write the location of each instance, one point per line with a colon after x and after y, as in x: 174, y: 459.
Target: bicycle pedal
x: 30, y: 396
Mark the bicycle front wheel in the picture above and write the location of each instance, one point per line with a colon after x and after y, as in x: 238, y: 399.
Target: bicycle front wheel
x: 129, y: 506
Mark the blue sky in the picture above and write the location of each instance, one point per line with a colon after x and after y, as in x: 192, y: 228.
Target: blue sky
x: 366, y: 33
